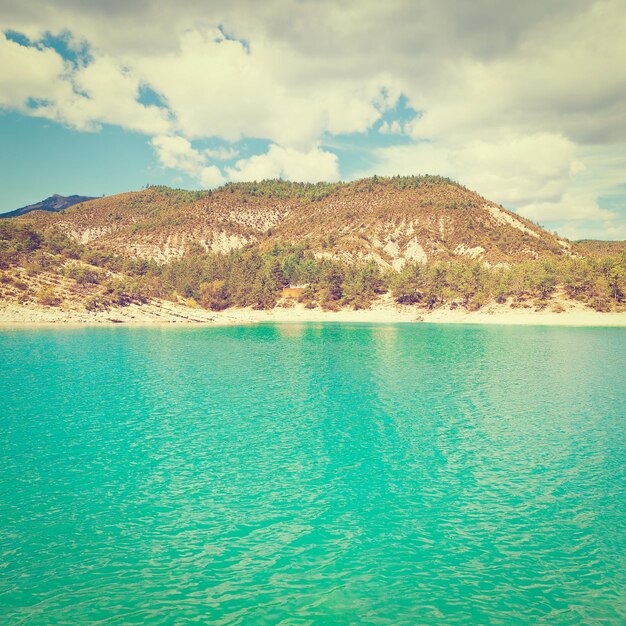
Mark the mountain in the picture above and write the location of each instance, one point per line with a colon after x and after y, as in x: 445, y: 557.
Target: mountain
x: 53, y: 204
x: 390, y: 220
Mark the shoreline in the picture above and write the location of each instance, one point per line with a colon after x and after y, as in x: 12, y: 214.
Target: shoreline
x: 384, y: 311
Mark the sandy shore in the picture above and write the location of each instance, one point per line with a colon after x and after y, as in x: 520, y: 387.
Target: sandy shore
x: 493, y: 315
x: 384, y: 311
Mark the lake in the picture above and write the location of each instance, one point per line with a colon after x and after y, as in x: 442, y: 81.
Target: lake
x: 313, y: 474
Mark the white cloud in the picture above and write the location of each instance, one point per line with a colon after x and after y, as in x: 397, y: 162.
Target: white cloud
x: 221, y: 154
x: 217, y: 87
x: 36, y: 80
x: 111, y: 94
x: 29, y: 73
x: 513, y: 168
x: 516, y: 168
x: 280, y: 162
x: 564, y: 77
x: 570, y: 207
x: 178, y: 153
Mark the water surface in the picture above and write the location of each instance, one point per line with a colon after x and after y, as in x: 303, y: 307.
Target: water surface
x: 313, y: 474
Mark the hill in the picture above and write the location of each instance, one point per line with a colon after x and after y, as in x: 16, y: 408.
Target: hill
x: 54, y: 204
x: 420, y: 241
x: 390, y: 220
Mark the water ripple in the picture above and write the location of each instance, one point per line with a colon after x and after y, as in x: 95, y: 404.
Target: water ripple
x: 313, y: 474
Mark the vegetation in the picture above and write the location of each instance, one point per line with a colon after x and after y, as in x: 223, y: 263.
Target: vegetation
x: 253, y: 277
x: 282, y: 189
x: 278, y: 188
x: 601, y: 248
x: 601, y: 283
x: 178, y: 197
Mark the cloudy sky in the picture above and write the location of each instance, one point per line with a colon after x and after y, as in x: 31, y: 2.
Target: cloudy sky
x: 522, y: 101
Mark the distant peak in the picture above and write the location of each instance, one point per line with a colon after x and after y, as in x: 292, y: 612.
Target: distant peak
x: 53, y: 203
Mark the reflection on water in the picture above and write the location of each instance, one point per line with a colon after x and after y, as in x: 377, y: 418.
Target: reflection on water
x: 313, y: 474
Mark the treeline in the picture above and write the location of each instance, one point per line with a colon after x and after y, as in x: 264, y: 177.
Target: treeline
x: 249, y: 278
x: 283, y: 189
x: 252, y: 277
x: 278, y: 188
x: 601, y: 283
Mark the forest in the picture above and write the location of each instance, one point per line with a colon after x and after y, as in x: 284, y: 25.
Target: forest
x: 255, y: 277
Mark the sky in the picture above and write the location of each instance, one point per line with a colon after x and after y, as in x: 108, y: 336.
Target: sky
x: 523, y: 102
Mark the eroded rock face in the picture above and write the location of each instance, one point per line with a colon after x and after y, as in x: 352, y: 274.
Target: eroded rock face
x: 224, y: 243
x: 415, y: 252
x: 503, y: 218
x: 472, y: 253
x: 87, y: 234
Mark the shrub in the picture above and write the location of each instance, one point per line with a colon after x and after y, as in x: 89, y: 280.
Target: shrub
x: 95, y: 303
x: 82, y: 275
x: 48, y: 297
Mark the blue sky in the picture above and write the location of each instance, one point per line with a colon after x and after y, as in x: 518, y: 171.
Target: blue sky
x: 521, y: 102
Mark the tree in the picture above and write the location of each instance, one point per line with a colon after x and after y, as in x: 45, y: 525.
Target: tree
x: 408, y: 285
x: 332, y: 281
x: 214, y: 295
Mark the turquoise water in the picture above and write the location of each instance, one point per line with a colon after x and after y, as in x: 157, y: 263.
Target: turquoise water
x: 313, y: 474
